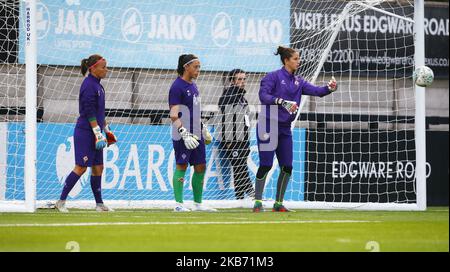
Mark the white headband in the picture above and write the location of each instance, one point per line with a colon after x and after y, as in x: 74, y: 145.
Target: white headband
x: 192, y: 60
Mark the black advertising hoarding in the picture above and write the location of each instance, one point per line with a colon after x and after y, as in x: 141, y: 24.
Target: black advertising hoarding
x: 355, y: 166
x: 373, y: 166
x: 9, y: 18
x: 378, y: 42
x: 437, y: 157
x: 436, y: 40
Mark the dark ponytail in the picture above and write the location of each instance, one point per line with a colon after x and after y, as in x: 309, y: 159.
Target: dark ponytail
x: 86, y: 63
x: 183, y: 60
x: 284, y: 52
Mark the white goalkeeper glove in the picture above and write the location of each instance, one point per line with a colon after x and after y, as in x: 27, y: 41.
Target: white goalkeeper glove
x: 206, y: 135
x: 100, y: 140
x: 332, y: 85
x: 190, y: 140
x: 290, y: 106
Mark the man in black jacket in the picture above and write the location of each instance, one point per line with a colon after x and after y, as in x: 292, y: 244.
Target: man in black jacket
x: 234, y: 144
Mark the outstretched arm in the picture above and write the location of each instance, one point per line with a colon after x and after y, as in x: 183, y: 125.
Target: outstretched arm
x: 310, y: 89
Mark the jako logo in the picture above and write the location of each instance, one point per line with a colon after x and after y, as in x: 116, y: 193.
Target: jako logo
x: 132, y: 25
x: 42, y: 20
x: 222, y: 29
x: 65, y: 161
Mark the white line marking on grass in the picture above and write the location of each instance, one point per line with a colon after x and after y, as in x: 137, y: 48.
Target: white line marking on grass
x: 88, y: 224
x: 343, y: 240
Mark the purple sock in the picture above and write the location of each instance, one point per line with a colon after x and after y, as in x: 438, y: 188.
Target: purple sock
x: 96, y: 186
x: 71, y: 180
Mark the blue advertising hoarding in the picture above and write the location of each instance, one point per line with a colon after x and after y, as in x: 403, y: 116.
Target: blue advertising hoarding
x: 225, y: 34
x: 139, y: 167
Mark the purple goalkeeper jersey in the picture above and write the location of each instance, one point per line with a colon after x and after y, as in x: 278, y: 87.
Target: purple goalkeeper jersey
x: 187, y: 96
x: 282, y: 84
x: 91, y: 103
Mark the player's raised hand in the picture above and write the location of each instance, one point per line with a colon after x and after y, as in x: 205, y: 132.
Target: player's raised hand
x: 206, y: 135
x: 110, y: 137
x: 332, y: 85
x: 100, y: 140
x: 190, y: 140
x: 290, y: 106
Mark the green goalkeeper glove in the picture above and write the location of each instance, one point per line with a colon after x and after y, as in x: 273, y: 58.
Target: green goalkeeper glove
x: 100, y: 140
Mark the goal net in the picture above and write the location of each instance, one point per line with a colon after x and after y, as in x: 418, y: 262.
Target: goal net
x: 352, y: 149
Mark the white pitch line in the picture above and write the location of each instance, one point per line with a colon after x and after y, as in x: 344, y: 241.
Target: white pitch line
x: 88, y: 224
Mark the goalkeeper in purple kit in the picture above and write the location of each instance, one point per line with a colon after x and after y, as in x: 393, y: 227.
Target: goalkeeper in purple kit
x: 189, y: 135
x: 281, y: 89
x: 89, y: 140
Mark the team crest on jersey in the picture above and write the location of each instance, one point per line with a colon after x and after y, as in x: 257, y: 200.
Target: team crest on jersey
x: 296, y: 83
x: 283, y: 82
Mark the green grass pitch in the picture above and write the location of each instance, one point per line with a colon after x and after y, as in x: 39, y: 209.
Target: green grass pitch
x: 229, y: 230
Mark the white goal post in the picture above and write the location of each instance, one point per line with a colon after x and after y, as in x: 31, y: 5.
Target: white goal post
x: 420, y: 143
x: 329, y: 137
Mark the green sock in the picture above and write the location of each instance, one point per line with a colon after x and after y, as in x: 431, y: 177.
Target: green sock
x: 178, y: 183
x: 197, y: 186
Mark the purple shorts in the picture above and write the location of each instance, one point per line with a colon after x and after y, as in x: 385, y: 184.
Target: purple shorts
x: 193, y: 156
x: 85, y: 153
x: 282, y: 147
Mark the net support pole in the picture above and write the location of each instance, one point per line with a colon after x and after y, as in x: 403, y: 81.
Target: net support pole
x: 420, y: 129
x: 323, y: 58
x: 30, y: 104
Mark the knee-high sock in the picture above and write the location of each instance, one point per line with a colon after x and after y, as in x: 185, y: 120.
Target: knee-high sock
x: 178, y: 185
x: 96, y: 186
x: 197, y: 186
x: 283, y: 180
x: 261, y: 181
x: 71, y: 180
